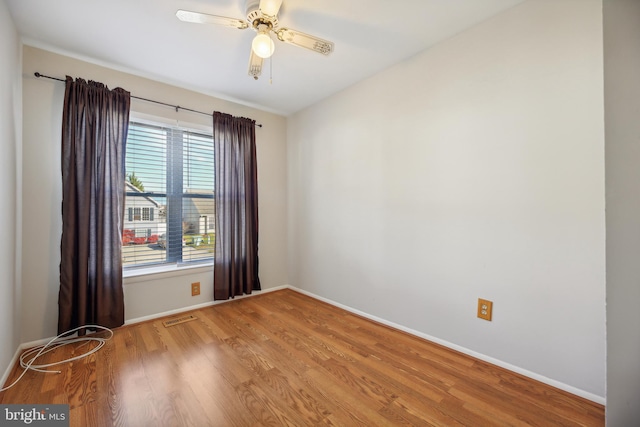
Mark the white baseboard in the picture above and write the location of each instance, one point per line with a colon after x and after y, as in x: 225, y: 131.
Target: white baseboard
x: 12, y: 363
x: 559, y: 385
x: 198, y: 306
x: 163, y: 314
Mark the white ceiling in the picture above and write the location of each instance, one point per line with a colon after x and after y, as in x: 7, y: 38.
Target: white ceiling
x: 144, y: 37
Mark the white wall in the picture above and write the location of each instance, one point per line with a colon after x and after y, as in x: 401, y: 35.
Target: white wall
x: 10, y: 124
x: 42, y: 188
x: 473, y: 170
x: 622, y: 124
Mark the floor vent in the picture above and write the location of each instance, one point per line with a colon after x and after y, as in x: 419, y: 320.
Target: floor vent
x: 178, y: 320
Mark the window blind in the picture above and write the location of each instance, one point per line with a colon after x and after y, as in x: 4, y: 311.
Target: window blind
x: 170, y: 204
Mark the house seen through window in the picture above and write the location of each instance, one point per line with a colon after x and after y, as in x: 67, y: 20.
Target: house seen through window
x: 169, y: 205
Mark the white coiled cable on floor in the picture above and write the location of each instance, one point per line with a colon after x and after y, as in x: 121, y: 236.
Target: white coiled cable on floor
x: 29, y: 357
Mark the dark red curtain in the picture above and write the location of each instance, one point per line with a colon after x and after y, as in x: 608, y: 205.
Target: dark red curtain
x: 95, y: 122
x: 235, y: 269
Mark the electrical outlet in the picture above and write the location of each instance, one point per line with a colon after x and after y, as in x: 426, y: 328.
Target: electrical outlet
x: 195, y: 289
x: 485, y: 309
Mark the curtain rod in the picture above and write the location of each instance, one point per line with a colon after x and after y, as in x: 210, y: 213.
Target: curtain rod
x: 177, y: 107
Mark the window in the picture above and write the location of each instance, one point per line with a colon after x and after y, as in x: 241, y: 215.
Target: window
x: 169, y: 204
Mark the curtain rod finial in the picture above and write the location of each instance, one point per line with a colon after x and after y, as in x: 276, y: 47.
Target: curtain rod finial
x: 37, y: 74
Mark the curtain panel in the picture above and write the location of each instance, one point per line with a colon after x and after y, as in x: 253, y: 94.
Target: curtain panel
x: 94, y: 132
x: 236, y: 194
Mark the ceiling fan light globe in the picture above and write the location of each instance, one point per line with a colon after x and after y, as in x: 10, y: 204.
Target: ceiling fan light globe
x: 263, y: 46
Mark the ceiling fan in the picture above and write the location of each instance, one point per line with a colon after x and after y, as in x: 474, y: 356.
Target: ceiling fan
x: 262, y: 17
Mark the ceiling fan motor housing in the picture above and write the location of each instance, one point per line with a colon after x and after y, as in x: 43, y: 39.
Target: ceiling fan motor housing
x: 256, y: 18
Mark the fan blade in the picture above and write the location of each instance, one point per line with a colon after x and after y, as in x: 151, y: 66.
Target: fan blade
x: 297, y: 38
x: 270, y: 7
x: 203, y: 18
x: 255, y: 65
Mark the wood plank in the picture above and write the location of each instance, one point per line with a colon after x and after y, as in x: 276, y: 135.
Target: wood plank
x: 283, y: 358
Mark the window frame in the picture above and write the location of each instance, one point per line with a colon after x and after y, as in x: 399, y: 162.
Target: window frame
x: 170, y: 267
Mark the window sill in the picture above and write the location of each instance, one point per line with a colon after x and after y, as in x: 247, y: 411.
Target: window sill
x: 159, y: 272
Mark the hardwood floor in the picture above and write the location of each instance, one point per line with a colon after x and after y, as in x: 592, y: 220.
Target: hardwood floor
x: 284, y: 359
